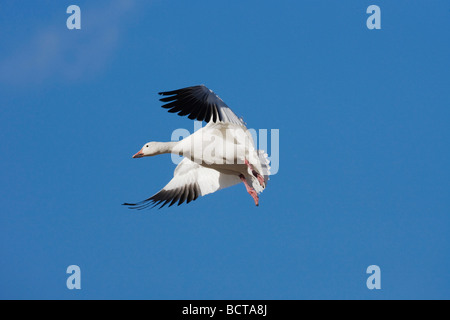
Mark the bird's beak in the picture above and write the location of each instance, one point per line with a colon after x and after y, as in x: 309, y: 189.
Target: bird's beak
x: 140, y: 154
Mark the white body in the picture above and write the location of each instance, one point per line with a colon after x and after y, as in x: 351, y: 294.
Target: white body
x: 222, y: 147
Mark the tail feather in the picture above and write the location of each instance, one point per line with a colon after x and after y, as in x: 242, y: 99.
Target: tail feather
x: 265, y: 163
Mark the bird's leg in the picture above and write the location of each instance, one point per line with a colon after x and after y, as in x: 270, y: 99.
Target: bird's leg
x: 256, y: 174
x: 250, y: 190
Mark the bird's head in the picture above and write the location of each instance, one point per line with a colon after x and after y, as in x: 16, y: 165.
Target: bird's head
x: 148, y: 150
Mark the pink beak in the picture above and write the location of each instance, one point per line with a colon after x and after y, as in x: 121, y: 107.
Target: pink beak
x: 140, y: 154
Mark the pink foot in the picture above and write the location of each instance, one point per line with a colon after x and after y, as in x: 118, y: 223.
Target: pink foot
x: 250, y: 190
x: 256, y: 174
x: 261, y: 180
x: 254, y: 196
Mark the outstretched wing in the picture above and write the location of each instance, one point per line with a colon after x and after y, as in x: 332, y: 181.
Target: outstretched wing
x: 190, y: 181
x: 201, y: 103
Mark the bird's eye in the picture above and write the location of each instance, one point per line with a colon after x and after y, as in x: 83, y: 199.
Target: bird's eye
x: 146, y: 146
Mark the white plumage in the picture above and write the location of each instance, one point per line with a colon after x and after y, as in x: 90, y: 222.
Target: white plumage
x: 217, y: 156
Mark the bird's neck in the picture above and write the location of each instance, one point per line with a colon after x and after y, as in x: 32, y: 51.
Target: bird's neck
x: 166, y: 147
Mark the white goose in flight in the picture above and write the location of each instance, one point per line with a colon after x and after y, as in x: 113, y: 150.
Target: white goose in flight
x: 217, y: 156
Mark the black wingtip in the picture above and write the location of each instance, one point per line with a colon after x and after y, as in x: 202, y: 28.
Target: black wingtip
x: 172, y: 92
x: 181, y: 195
x: 130, y: 204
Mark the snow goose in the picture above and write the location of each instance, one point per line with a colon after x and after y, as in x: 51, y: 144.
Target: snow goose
x: 219, y: 155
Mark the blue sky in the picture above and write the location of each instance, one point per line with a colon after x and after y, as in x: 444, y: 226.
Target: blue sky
x: 363, y: 118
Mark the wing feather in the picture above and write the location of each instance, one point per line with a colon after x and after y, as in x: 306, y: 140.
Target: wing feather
x: 200, y: 103
x: 190, y: 181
